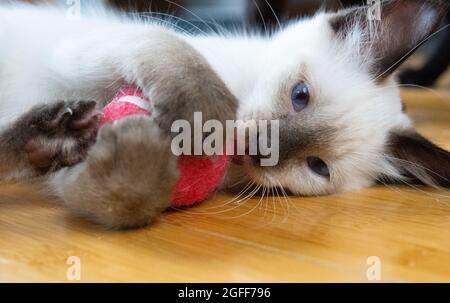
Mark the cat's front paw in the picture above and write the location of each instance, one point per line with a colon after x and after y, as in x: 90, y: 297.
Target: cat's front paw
x: 205, y: 94
x: 128, y: 176
x: 58, y: 135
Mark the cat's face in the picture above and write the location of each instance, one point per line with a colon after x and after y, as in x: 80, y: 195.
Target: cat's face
x: 328, y: 83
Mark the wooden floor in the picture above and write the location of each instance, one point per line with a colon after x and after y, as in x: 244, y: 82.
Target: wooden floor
x: 304, y: 239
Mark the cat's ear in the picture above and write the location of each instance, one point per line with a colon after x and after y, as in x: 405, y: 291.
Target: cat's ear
x: 389, y: 31
x: 418, y: 159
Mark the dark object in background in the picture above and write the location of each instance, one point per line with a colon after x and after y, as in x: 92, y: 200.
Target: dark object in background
x: 264, y: 13
x: 146, y: 5
x: 436, y: 64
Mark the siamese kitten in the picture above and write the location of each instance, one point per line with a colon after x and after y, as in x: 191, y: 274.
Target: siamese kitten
x: 328, y: 80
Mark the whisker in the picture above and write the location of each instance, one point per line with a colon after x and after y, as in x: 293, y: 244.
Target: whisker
x: 267, y: 203
x: 261, y: 15
x: 287, y: 198
x: 248, y: 186
x: 192, y: 13
x: 280, y: 27
x: 218, y: 206
x: 285, y: 210
x: 400, y: 179
x: 274, y: 207
x: 272, y: 198
x: 176, y: 18
x: 262, y: 198
x: 251, y: 210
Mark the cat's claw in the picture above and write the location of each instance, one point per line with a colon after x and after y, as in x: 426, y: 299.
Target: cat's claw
x: 70, y: 117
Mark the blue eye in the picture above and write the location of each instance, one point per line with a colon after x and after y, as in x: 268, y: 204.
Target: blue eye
x: 318, y: 166
x: 300, y: 97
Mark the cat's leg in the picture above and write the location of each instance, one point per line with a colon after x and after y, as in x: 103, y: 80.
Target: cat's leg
x: 178, y: 80
x: 127, y: 178
x: 46, y: 138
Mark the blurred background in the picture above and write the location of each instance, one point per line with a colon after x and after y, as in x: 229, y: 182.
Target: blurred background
x: 428, y: 67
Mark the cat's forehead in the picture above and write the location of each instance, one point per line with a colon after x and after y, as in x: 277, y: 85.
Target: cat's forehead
x: 309, y: 48
x: 307, y: 34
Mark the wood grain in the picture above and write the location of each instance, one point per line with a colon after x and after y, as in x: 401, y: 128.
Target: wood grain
x: 301, y: 239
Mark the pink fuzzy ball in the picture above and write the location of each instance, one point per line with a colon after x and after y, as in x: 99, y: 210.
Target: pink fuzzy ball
x: 199, y: 176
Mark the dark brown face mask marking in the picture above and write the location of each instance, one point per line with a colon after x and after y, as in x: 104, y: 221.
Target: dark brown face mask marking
x: 299, y: 139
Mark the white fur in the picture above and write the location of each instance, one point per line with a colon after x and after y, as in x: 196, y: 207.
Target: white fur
x: 44, y: 57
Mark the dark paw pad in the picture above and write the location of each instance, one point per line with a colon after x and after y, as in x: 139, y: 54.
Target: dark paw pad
x: 60, y: 134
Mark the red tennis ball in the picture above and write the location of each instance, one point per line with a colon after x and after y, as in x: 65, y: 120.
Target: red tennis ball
x: 199, y: 176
